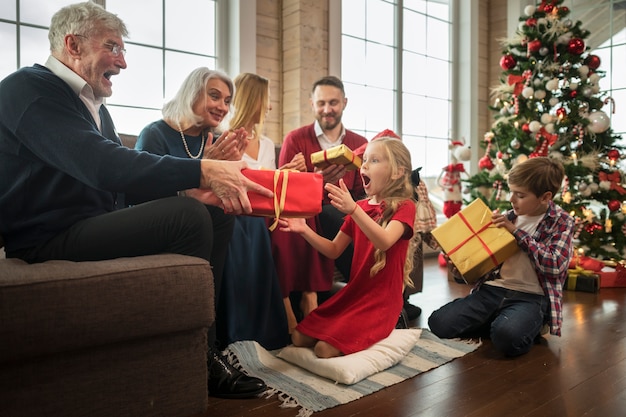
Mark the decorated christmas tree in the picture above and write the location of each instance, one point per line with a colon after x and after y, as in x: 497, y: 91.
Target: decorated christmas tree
x: 550, y: 103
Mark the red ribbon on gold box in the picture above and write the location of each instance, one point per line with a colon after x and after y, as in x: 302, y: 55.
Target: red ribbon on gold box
x: 296, y: 194
x: 473, y: 244
x: 338, y: 155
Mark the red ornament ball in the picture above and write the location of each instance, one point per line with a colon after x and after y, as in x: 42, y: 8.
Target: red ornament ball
x: 561, y: 112
x: 534, y: 46
x: 531, y: 21
x: 525, y: 128
x: 573, y: 93
x: 486, y: 163
x: 576, y: 46
x: 507, y: 62
x: 614, y: 205
x: 548, y: 8
x: 613, y: 154
x: 593, y: 62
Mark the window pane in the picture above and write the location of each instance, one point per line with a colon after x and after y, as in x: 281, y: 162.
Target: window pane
x: 353, y: 60
x: 413, y: 32
x: 148, y: 31
x: 417, y: 5
x: 39, y: 12
x: 436, y: 157
x: 34, y: 46
x: 437, y: 118
x: 7, y: 10
x: 618, y: 124
x: 354, y: 114
x: 380, y: 109
x: 617, y: 67
x: 413, y: 114
x: 353, y: 18
x: 414, y: 72
x: 178, y: 66
x: 8, y: 63
x: 437, y: 78
x: 437, y: 39
x: 380, y: 65
x: 439, y: 9
x: 130, y: 121
x: 141, y: 83
x: 190, y: 26
x: 380, y: 22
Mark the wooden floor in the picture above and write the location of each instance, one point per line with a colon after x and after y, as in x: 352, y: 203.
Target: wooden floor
x: 582, y: 373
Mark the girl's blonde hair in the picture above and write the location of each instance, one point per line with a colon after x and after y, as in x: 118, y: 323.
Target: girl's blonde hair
x: 251, y: 99
x: 397, y: 191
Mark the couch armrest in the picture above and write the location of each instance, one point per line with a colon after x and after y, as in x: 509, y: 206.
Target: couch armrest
x: 56, y: 306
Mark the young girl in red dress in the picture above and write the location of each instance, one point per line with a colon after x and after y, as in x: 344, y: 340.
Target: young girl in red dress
x: 366, y: 310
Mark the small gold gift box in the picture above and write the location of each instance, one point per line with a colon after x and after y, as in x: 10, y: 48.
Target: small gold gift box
x: 337, y: 155
x: 473, y: 243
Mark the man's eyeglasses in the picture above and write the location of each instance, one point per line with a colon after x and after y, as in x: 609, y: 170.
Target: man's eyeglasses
x: 115, y: 49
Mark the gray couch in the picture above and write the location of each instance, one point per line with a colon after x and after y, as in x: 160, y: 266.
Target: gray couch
x: 125, y: 337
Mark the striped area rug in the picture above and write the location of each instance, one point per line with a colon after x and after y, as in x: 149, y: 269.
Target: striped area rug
x: 297, y: 387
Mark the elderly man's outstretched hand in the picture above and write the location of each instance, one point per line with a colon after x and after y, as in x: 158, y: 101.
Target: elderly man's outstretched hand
x: 224, y: 185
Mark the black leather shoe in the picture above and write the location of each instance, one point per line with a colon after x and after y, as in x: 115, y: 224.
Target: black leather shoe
x: 412, y: 311
x: 227, y: 382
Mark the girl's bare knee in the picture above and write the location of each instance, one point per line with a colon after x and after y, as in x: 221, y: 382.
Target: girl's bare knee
x: 326, y: 350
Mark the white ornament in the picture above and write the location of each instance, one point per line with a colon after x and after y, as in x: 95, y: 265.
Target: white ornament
x: 583, y: 70
x: 573, y: 85
x: 550, y: 128
x: 529, y: 10
x: 605, y: 185
x: 594, y: 78
x: 553, y: 84
x: 540, y: 94
x: 534, y: 126
x: 598, y: 121
x: 528, y: 92
x: 553, y: 101
x: 546, y: 118
x: 543, y: 51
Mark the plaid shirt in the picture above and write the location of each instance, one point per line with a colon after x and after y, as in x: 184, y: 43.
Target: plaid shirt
x: 550, y: 250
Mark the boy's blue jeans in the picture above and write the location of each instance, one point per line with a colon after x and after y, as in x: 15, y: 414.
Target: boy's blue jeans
x: 511, y: 319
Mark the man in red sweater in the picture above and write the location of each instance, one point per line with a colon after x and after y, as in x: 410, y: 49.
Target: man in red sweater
x: 299, y: 266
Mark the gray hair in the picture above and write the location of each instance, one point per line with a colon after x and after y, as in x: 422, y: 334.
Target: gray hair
x: 85, y: 19
x: 180, y: 108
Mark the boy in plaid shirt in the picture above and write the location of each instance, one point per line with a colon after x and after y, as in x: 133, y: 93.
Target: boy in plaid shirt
x: 512, y: 303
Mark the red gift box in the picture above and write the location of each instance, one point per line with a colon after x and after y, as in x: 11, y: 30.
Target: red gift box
x: 296, y: 194
x: 615, y: 278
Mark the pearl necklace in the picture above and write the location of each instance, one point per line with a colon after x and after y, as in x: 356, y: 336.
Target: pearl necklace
x: 182, y: 136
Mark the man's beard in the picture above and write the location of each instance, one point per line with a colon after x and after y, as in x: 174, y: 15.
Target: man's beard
x: 327, y: 124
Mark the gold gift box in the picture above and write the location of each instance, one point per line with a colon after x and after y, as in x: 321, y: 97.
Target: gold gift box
x: 337, y: 155
x: 473, y: 243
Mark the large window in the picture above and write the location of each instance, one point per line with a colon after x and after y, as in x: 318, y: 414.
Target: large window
x: 606, y: 22
x: 396, y: 66
x: 168, y: 39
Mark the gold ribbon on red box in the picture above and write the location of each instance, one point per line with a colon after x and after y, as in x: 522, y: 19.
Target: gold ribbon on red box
x: 296, y: 194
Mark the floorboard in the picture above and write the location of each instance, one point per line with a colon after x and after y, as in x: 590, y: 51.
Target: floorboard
x: 582, y: 373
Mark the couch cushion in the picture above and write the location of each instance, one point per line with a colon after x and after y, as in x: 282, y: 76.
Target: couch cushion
x: 61, y: 305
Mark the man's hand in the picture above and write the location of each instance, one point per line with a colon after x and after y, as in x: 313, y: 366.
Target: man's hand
x: 332, y: 173
x: 226, y: 182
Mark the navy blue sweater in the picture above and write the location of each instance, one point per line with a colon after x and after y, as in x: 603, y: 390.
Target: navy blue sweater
x: 56, y: 168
